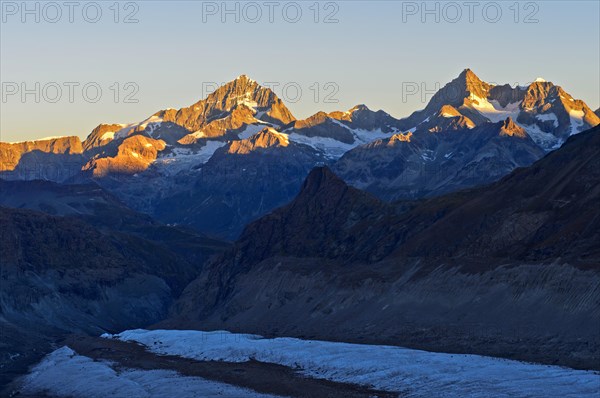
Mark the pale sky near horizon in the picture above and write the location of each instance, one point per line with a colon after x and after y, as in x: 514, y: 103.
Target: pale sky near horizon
x: 375, y: 50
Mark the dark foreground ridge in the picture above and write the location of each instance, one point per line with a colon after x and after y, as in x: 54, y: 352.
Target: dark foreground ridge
x: 509, y: 270
x: 85, y: 273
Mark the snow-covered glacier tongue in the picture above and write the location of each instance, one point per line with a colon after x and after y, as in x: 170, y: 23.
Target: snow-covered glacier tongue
x: 411, y: 373
x: 64, y: 373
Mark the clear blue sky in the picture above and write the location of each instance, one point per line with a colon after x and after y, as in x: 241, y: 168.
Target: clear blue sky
x: 369, y: 54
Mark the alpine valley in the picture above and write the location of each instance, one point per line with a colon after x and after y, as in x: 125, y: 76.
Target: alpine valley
x: 454, y: 252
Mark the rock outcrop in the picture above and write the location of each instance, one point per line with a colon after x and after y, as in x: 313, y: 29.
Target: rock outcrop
x: 241, y: 91
x: 429, y: 163
x: 548, y: 113
x: 135, y: 154
x: 101, y: 135
x: 243, y: 180
x: 54, y: 158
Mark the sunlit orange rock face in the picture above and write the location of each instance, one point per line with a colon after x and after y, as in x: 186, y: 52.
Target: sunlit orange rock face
x: 547, y: 112
x: 545, y: 97
x: 239, y: 117
x: 135, y: 154
x: 399, y: 138
x: 448, y: 118
x: 11, y: 153
x: 510, y: 128
x: 322, y: 124
x: 241, y: 91
x: 101, y: 135
x: 266, y: 138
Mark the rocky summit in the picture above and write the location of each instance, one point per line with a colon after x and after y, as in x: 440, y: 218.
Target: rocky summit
x: 429, y: 163
x: 470, y: 133
x: 544, y: 110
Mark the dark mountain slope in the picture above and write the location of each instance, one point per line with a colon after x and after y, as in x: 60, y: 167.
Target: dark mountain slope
x: 322, y: 221
x: 430, y: 163
x: 509, y: 270
x: 537, y: 213
x: 62, y: 275
x: 94, y: 205
x: 88, y: 201
x: 243, y: 181
x: 546, y: 211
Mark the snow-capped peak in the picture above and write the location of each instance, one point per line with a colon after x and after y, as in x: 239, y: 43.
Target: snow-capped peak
x: 359, y: 107
x: 246, y: 78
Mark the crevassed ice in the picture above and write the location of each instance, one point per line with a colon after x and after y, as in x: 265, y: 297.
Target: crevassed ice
x: 547, y: 141
x: 64, y: 373
x: 181, y: 159
x: 333, y: 148
x: 417, y: 373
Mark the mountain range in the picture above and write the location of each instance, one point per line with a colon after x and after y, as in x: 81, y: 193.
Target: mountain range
x: 470, y: 226
x: 240, y: 153
x: 509, y: 269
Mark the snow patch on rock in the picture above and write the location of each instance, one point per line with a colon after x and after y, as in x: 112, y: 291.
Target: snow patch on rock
x: 547, y: 117
x: 109, y: 135
x: 493, y: 110
x: 576, y: 121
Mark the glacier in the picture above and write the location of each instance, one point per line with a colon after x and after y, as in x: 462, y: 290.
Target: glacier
x: 413, y: 373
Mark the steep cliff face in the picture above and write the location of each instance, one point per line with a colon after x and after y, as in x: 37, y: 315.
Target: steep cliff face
x: 510, y: 269
x: 241, y: 91
x: 241, y: 182
x: 435, y: 162
x: 12, y: 152
x: 101, y: 135
x: 54, y: 158
x: 547, y: 112
x: 266, y: 138
x: 227, y: 127
x: 554, y: 111
x: 135, y: 154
